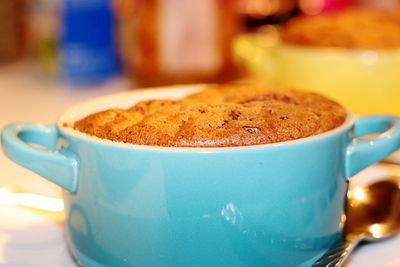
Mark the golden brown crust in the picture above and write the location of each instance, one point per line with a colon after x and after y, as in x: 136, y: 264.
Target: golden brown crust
x: 354, y: 28
x: 220, y: 116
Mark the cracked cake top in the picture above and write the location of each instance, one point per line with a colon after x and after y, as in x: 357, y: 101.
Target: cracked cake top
x: 218, y: 116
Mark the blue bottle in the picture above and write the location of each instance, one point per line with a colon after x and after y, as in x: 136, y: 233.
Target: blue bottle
x: 88, y: 53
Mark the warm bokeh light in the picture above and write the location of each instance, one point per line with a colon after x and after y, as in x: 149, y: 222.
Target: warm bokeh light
x: 314, y: 7
x: 9, y: 196
x: 311, y: 7
x: 359, y: 194
x: 261, y: 8
x: 376, y: 230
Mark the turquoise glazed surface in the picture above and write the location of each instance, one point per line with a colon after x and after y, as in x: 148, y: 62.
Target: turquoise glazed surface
x: 266, y: 205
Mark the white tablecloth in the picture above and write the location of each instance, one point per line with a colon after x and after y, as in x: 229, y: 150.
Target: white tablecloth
x: 28, y: 238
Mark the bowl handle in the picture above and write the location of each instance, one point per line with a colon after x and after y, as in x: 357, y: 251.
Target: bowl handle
x: 42, y: 157
x: 363, y: 152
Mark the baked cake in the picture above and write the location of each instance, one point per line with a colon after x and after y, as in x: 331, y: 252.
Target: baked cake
x: 219, y: 116
x: 354, y: 28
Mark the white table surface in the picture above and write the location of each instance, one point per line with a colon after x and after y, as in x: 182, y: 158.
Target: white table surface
x: 32, y: 239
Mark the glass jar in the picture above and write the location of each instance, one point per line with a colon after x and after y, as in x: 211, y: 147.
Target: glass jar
x: 177, y: 41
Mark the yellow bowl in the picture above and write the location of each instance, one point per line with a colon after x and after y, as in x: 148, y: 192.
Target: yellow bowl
x: 366, y: 81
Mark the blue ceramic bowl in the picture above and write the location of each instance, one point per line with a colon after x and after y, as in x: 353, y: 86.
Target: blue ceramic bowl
x: 264, y: 205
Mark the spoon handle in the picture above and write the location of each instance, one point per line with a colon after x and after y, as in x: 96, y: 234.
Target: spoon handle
x: 337, y: 254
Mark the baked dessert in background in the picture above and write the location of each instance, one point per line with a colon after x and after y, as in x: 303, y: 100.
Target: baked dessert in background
x: 219, y: 116
x: 355, y: 28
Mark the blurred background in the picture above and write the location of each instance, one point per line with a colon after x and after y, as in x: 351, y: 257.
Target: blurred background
x: 147, y: 42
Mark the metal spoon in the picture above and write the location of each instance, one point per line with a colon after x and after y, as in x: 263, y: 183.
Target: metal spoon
x: 373, y: 214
